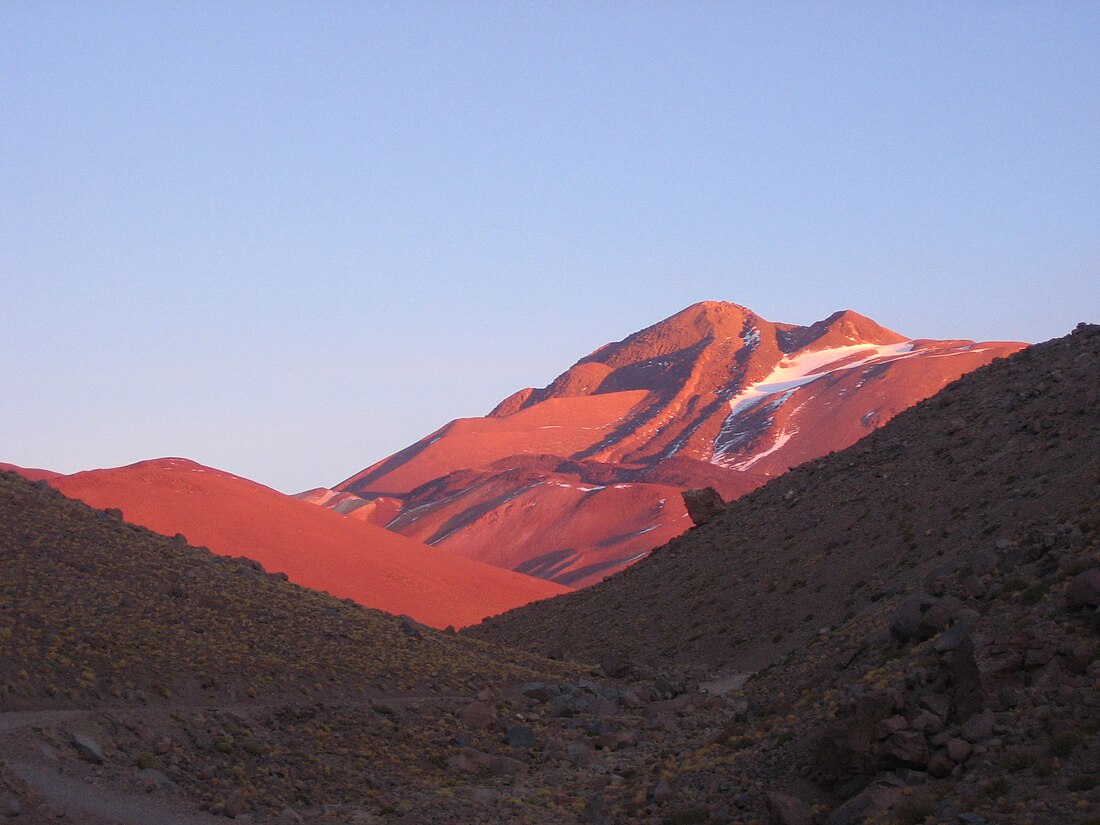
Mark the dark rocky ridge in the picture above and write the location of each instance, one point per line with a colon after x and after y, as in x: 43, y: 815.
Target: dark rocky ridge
x: 1004, y: 451
x: 922, y: 613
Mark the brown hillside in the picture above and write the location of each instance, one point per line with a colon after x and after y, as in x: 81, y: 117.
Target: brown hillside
x: 143, y: 680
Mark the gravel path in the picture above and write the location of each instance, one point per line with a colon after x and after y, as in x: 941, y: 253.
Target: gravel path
x: 95, y: 804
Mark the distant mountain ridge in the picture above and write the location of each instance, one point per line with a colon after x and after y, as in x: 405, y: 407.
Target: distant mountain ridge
x: 582, y: 477
x: 314, y: 547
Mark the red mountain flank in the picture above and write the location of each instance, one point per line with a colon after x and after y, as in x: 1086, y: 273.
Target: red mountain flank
x: 581, y: 478
x: 313, y: 546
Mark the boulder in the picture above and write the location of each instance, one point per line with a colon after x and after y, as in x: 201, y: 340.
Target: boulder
x: 788, y: 810
x: 663, y: 791
x: 978, y: 728
x: 519, y: 736
x: 967, y: 678
x: 921, y: 616
x: 1083, y: 589
x: 907, y: 747
x: 87, y: 747
x: 958, y: 750
x: 703, y: 505
x: 541, y: 691
x: 940, y: 765
x: 938, y: 704
x: 615, y: 666
x: 873, y: 805
x: 478, y: 715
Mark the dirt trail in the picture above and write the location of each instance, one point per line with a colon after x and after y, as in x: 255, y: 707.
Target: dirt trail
x: 15, y: 719
x: 93, y: 798
x: 88, y: 799
x: 95, y: 804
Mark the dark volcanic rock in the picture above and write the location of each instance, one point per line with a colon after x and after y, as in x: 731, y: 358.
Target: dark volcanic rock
x: 788, y: 810
x: 703, y: 505
x: 1084, y: 589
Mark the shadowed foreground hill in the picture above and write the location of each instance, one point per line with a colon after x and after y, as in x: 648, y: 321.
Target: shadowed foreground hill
x: 143, y: 680
x: 921, y: 612
x: 1003, y: 452
x: 99, y: 614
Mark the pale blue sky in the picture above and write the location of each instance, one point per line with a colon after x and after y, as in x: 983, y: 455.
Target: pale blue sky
x: 288, y: 239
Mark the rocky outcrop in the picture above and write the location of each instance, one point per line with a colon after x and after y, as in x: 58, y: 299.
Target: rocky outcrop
x: 703, y: 505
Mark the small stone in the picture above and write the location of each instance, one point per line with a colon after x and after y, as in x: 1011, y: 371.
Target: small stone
x: 1083, y: 589
x: 937, y: 703
x: 519, y: 736
x: 940, y: 765
x: 907, y: 747
x: 478, y: 715
x: 541, y: 691
x: 289, y: 816
x: 663, y: 791
x: 890, y: 726
x: 153, y: 780
x: 958, y: 750
x: 978, y: 727
x: 928, y: 722
x: 615, y: 666
x: 236, y: 805
x: 87, y: 747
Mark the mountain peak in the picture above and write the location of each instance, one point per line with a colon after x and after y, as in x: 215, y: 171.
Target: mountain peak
x: 714, y: 395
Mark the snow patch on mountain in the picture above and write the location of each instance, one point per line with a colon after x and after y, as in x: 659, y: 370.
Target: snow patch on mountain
x: 790, y: 374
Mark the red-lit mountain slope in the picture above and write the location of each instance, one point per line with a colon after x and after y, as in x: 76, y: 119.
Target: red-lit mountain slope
x: 315, y: 547
x: 582, y: 477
